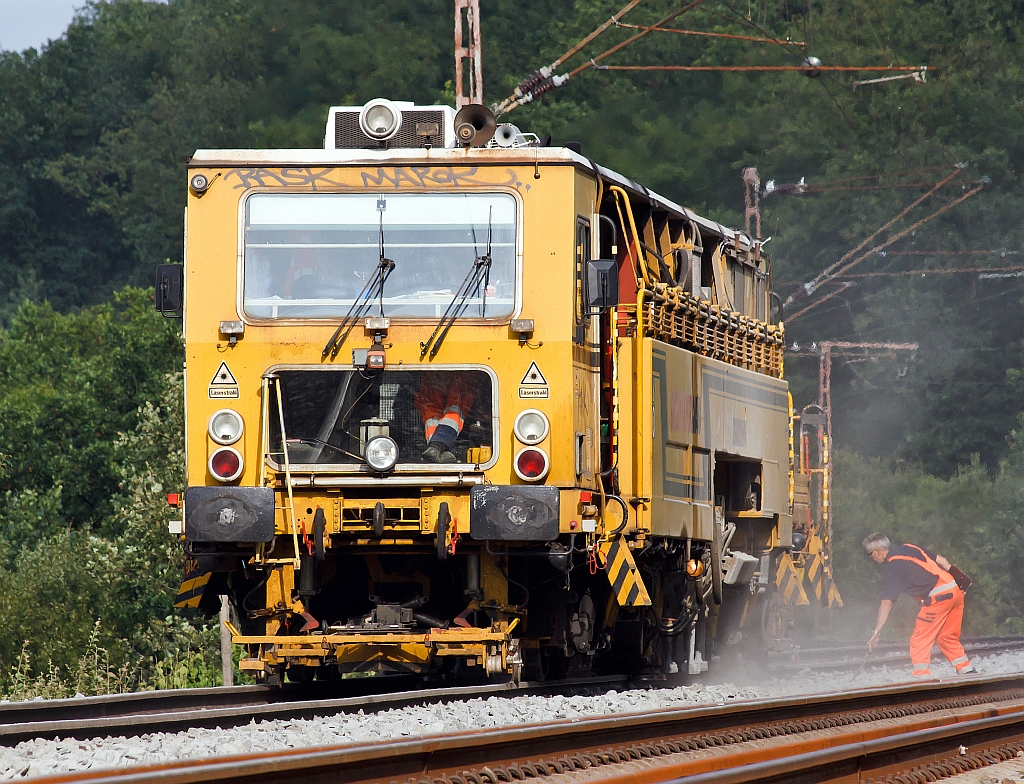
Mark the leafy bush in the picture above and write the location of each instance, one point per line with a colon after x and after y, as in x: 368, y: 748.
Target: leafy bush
x: 70, y: 386
x: 92, y: 424
x: 92, y: 605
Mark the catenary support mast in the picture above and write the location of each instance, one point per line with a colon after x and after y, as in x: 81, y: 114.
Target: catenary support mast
x: 469, y: 79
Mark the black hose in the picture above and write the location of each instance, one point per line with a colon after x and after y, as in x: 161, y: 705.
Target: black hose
x: 248, y: 596
x: 430, y: 621
x: 615, y: 233
x: 677, y: 626
x: 525, y: 590
x: 625, y: 514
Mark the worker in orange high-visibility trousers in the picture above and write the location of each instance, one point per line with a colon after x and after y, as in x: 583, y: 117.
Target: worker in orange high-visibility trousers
x: 923, y: 575
x: 443, y: 404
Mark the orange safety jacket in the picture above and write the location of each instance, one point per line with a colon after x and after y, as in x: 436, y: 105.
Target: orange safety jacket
x: 944, y: 583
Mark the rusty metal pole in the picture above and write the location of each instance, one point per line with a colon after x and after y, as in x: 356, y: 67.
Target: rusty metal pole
x: 825, y: 445
x: 468, y: 54
x: 825, y: 438
x: 752, y: 199
x: 226, y: 665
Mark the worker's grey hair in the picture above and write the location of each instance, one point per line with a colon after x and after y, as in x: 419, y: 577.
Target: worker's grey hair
x: 877, y: 542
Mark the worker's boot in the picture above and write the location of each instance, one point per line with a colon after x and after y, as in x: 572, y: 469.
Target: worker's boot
x: 436, y: 452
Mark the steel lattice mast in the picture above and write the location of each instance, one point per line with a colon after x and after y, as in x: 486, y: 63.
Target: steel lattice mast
x: 469, y: 79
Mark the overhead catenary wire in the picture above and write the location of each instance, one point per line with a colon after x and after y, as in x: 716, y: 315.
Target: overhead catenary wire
x: 542, y: 80
x: 915, y: 226
x: 811, y: 286
x: 613, y: 21
x: 859, y: 177
x: 708, y: 34
x: 760, y: 67
x: 840, y: 290
x: 1002, y: 291
x: 752, y: 24
x: 924, y: 272
x: 1001, y: 252
x: 545, y: 80
x: 844, y: 183
x: 623, y: 44
x: 843, y: 188
x: 945, y: 208
x: 807, y: 49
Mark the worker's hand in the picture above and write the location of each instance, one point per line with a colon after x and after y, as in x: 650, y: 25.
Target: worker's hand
x: 873, y: 641
x: 942, y: 561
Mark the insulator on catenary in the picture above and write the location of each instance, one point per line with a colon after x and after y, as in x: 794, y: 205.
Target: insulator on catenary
x: 533, y: 87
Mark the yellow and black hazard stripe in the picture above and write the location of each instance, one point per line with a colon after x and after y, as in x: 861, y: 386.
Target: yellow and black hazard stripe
x: 815, y: 573
x: 627, y: 584
x: 789, y: 580
x: 819, y: 575
x: 834, y: 599
x: 191, y: 591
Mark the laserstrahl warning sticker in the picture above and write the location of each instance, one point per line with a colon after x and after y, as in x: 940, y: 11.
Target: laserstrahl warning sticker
x: 533, y: 386
x: 223, y: 385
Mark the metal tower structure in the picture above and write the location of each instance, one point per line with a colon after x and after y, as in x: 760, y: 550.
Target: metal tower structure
x: 469, y: 78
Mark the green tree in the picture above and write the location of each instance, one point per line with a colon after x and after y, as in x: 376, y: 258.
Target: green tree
x: 69, y: 386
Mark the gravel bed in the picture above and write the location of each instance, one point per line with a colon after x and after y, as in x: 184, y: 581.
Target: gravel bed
x: 51, y: 757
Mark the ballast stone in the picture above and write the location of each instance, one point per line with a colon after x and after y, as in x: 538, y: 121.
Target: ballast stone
x: 51, y: 757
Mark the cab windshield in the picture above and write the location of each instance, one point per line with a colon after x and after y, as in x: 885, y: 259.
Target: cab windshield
x: 309, y: 255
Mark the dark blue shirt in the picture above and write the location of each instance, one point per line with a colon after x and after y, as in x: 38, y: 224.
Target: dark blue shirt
x: 906, y: 576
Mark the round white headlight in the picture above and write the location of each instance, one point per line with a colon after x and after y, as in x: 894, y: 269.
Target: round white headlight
x: 531, y: 426
x: 381, y: 454
x: 226, y: 426
x: 380, y: 119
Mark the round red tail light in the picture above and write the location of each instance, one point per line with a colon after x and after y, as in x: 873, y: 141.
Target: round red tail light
x: 531, y: 464
x: 226, y: 464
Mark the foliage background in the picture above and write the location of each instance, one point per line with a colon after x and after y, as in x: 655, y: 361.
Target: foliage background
x: 96, y: 128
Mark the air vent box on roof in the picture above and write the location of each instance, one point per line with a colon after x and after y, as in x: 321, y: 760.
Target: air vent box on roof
x: 382, y: 124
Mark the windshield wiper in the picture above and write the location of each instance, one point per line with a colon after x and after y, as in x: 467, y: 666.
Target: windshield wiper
x: 479, y: 273
x: 364, y: 300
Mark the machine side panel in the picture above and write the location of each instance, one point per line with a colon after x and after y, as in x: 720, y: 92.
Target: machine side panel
x: 706, y: 410
x: 680, y: 466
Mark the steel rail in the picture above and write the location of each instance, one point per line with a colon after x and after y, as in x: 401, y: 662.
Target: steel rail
x: 932, y: 715
x: 852, y: 656
x: 132, y: 703
x: 180, y: 709
x: 874, y: 759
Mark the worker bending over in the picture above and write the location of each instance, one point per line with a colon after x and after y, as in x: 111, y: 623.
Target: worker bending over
x: 914, y: 571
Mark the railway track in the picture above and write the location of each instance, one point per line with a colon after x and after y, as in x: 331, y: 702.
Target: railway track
x: 840, y: 657
x: 913, y: 731
x: 180, y: 709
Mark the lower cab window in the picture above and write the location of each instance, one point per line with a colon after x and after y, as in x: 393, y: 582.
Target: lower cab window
x: 434, y: 416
